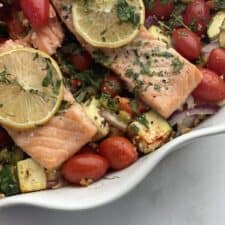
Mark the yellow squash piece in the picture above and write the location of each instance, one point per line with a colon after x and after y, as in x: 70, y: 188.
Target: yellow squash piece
x: 31, y: 176
x: 149, y: 132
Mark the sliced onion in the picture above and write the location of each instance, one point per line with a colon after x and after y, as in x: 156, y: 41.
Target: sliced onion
x: 208, y: 48
x: 179, y: 117
x: 150, y: 20
x: 190, y: 102
x: 113, y: 120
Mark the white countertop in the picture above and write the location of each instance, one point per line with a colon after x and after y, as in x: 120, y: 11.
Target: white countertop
x: 187, y: 188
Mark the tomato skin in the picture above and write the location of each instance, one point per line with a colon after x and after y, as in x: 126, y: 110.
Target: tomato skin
x: 86, y: 149
x: 37, y: 12
x: 216, y: 61
x: 197, y: 12
x: 211, y: 89
x: 75, y: 83
x: 162, y: 10
x: 187, y: 43
x: 82, y: 61
x: 4, y: 138
x: 125, y: 105
x: 111, y: 85
x: 87, y: 166
x: 119, y: 151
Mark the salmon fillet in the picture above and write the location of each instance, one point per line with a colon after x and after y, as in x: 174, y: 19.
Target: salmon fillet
x: 47, y: 38
x: 159, y: 75
x: 54, y: 142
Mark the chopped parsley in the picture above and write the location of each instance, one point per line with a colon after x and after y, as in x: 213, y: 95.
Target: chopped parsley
x: 3, y: 76
x: 177, y: 65
x: 8, y: 182
x: 101, y: 57
x: 106, y: 101
x: 219, y: 4
x: 48, y: 79
x: 126, y: 13
x: 64, y: 106
x: 142, y: 119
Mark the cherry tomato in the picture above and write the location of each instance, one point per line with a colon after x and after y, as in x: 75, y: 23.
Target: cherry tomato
x: 187, y: 43
x: 125, y: 105
x: 111, y: 85
x: 119, y: 151
x: 86, y: 149
x: 216, y: 61
x: 197, y: 15
x: 162, y: 9
x: 83, y: 169
x: 37, y: 12
x: 75, y: 83
x: 15, y: 26
x: 82, y: 61
x: 4, y: 138
x: 211, y: 89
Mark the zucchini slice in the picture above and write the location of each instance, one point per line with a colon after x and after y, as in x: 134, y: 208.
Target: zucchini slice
x: 215, y: 25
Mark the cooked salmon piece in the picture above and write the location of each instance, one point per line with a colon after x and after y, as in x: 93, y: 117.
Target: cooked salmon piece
x: 55, y: 142
x: 158, y: 75
x: 47, y: 38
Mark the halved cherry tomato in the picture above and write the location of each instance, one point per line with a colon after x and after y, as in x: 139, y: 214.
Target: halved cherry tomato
x: 111, y: 85
x: 36, y: 11
x: 83, y: 169
x: 197, y: 15
x: 162, y: 9
x: 211, y: 89
x: 216, y: 61
x: 125, y: 105
x: 82, y: 61
x: 119, y: 151
x: 4, y: 138
x: 75, y: 83
x: 187, y: 43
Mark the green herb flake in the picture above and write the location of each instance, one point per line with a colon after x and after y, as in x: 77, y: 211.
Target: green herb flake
x: 142, y: 119
x: 126, y: 13
x: 177, y: 65
x: 8, y: 183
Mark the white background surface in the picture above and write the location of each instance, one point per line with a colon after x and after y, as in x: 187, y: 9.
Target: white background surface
x: 186, y: 188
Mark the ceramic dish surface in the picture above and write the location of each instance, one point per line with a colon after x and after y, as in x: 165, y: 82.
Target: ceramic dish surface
x: 116, y: 184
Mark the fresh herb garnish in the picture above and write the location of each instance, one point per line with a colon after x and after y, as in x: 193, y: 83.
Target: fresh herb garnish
x: 177, y: 65
x: 48, y: 80
x: 109, y: 103
x: 126, y: 13
x: 8, y: 182
x: 142, y: 119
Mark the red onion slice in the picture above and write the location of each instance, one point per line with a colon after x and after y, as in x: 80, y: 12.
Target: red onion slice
x: 113, y: 120
x: 150, y: 20
x: 179, y: 117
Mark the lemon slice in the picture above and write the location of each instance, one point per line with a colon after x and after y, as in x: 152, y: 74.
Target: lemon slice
x: 31, y: 88
x: 108, y: 23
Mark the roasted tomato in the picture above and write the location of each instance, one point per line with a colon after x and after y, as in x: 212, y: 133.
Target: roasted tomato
x: 84, y: 169
x: 197, y: 16
x: 82, y: 61
x: 211, y: 89
x: 111, y: 85
x: 37, y: 12
x: 216, y: 61
x: 187, y: 43
x: 119, y: 152
x: 162, y: 9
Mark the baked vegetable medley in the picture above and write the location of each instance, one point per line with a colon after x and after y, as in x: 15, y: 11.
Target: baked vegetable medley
x: 89, y: 86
